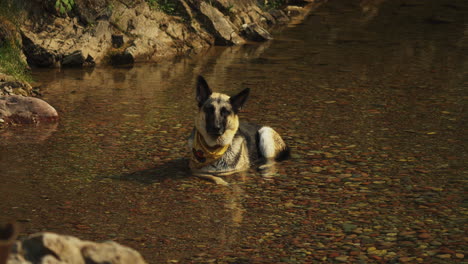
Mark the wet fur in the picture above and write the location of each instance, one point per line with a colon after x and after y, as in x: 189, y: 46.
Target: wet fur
x: 217, y: 121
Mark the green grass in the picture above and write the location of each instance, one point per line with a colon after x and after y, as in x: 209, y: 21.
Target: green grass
x: 12, y: 64
x: 169, y: 7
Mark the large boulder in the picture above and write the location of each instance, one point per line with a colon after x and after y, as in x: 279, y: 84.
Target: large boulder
x: 66, y: 42
x: 47, y: 248
x: 25, y: 110
x: 86, y: 39
x: 90, y: 11
x: 219, y: 25
x: 150, y: 34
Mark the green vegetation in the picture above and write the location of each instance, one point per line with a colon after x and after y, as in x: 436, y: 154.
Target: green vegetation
x: 12, y: 64
x: 11, y: 61
x: 64, y: 6
x: 273, y: 4
x: 169, y: 7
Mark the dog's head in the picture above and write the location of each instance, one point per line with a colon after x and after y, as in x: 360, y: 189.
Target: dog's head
x: 217, y: 119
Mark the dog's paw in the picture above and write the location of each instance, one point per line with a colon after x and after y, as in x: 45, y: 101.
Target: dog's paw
x: 220, y: 181
x: 214, y: 179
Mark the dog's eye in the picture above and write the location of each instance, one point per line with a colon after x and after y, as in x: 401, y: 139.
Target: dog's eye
x: 225, y: 112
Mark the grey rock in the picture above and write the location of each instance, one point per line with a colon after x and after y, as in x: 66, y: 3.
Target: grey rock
x: 254, y: 32
x: 75, y: 58
x: 65, y: 43
x: 130, y: 31
x: 220, y: 26
x: 151, y: 34
x: 9, y: 86
x: 89, y: 11
x: 22, y: 109
x: 279, y: 16
x: 48, y: 248
x: 110, y: 252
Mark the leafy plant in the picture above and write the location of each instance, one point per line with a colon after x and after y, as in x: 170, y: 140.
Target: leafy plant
x: 64, y: 6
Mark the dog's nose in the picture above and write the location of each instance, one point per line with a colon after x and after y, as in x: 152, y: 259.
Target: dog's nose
x: 217, y: 131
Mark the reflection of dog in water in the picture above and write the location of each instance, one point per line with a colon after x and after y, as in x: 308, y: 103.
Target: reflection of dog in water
x: 220, y: 144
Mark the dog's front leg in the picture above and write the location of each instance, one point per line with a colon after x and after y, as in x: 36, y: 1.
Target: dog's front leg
x: 214, y: 179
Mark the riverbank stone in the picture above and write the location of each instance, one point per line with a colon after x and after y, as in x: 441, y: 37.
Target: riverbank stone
x: 224, y: 30
x: 26, y: 110
x: 53, y: 248
x: 254, y: 32
x: 10, y: 86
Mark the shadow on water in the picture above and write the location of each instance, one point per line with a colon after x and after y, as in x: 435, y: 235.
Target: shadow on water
x: 27, y: 134
x: 178, y: 169
x: 174, y: 169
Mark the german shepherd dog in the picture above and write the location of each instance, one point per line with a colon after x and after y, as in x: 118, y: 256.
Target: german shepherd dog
x: 220, y: 144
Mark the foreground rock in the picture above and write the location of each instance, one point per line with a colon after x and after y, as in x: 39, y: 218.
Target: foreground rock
x: 25, y: 110
x: 53, y: 248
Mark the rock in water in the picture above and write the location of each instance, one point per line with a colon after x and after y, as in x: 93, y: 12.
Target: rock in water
x: 26, y: 110
x: 254, y: 32
x: 54, y: 248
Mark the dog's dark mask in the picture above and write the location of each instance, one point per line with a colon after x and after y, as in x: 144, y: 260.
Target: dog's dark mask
x: 216, y: 117
x: 217, y: 110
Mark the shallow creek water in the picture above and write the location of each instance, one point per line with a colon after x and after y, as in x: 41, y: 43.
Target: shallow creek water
x: 370, y: 96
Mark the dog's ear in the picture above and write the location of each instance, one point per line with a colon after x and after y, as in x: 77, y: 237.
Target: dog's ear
x: 203, y: 91
x: 237, y: 101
